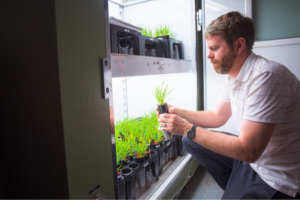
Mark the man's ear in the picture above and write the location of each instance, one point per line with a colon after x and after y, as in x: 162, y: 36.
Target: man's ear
x: 240, y: 45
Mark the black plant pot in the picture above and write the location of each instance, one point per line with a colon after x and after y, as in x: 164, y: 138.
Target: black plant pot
x: 125, y: 162
x: 163, y: 108
x: 155, y: 146
x: 133, y: 166
x: 152, y: 153
x: 126, y: 171
x: 131, y: 157
x: 146, y: 155
x: 139, y: 159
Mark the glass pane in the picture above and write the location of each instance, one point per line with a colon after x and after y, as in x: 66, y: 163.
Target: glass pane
x: 276, y: 19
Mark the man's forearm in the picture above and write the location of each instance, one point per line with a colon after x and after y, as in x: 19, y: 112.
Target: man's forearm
x: 208, y: 119
x: 249, y: 146
x: 223, y: 144
x: 205, y: 119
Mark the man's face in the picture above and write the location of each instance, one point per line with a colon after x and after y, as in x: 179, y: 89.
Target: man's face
x: 222, y: 57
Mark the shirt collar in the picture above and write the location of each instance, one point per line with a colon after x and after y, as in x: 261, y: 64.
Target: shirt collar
x: 246, y: 68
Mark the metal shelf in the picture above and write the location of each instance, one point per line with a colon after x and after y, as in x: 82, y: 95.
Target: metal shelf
x: 130, y: 65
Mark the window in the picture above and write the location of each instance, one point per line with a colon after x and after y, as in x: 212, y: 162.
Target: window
x: 276, y: 19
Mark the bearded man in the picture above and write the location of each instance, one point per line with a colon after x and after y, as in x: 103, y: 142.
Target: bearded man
x: 263, y: 97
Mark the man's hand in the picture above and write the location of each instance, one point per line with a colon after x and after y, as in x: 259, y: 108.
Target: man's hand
x: 174, y: 124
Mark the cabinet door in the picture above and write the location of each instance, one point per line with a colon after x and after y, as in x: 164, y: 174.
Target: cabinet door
x: 55, y: 139
x: 81, y: 43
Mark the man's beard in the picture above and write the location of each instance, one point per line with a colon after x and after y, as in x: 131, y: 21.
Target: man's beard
x: 224, y: 66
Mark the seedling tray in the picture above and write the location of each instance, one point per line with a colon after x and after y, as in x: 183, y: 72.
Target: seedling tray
x: 163, y: 152
x: 167, y: 46
x: 151, y: 43
x: 125, y: 36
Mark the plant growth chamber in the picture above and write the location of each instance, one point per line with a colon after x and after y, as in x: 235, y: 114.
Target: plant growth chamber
x: 74, y: 69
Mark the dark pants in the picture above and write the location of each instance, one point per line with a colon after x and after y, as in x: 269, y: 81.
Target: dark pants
x: 235, y: 177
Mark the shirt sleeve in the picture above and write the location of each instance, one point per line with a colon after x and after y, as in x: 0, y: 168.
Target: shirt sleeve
x: 267, y: 98
x: 225, y: 94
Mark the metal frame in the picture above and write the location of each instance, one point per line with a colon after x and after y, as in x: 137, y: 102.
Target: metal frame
x: 204, y: 55
x: 145, y: 65
x: 107, y: 74
x: 162, y: 189
x: 125, y: 3
x: 248, y: 8
x: 279, y: 42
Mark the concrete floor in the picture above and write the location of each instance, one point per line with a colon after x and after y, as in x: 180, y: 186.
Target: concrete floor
x: 201, y: 186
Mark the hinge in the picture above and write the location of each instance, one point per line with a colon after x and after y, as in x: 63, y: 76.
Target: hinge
x: 107, y: 85
x: 199, y: 19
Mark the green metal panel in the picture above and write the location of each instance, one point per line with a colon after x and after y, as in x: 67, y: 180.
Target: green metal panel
x: 276, y: 19
x: 55, y: 137
x: 81, y: 45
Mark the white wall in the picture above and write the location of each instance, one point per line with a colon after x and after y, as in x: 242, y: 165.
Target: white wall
x: 214, y: 81
x: 115, y: 10
x: 287, y: 55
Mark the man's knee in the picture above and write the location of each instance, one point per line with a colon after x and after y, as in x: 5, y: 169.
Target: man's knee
x: 191, y: 146
x: 185, y: 142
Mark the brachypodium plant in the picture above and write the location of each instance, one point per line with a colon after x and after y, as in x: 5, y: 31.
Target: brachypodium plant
x: 147, y: 32
x: 160, y: 93
x: 164, y: 30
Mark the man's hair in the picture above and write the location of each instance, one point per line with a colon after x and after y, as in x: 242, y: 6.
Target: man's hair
x: 230, y: 27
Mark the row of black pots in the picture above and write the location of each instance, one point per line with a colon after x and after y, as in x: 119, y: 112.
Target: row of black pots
x: 160, y: 147
x: 138, y: 175
x: 138, y: 160
x: 163, y: 154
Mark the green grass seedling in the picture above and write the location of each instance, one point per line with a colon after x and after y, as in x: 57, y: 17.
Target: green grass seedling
x: 147, y: 31
x: 160, y: 93
x: 164, y: 30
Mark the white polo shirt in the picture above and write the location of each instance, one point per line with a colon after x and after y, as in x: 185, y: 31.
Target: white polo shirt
x: 266, y: 91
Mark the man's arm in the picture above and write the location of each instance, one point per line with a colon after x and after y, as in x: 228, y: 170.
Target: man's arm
x: 207, y: 119
x: 253, y: 139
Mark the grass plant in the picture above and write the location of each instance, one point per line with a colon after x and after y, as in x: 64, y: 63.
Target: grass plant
x: 164, y: 30
x: 160, y: 93
x: 140, y: 149
x: 133, y: 135
x: 147, y: 31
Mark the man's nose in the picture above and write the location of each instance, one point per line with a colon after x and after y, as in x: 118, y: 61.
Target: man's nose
x: 210, y: 55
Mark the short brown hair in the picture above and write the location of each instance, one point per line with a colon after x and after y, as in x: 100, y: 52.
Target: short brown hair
x: 230, y: 27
